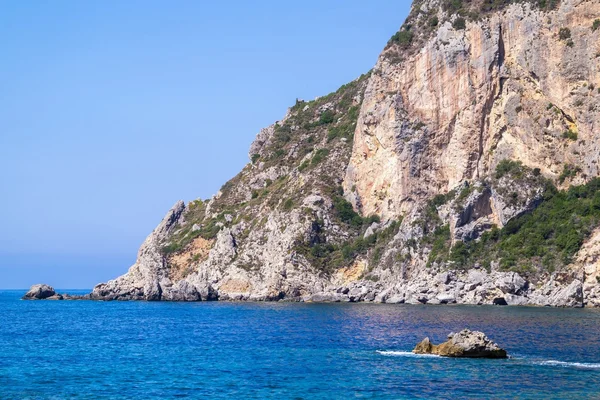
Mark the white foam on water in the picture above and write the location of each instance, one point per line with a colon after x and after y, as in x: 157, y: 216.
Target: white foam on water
x: 552, y: 363
x: 404, y: 354
x: 565, y: 364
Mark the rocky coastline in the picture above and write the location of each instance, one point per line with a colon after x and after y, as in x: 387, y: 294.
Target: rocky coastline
x: 463, y: 169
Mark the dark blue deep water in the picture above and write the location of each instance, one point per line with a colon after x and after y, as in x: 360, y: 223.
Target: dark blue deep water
x: 138, y: 350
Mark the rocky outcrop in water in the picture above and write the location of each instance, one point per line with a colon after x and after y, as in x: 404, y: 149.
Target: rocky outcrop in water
x: 421, y: 182
x: 40, y: 292
x: 465, y: 344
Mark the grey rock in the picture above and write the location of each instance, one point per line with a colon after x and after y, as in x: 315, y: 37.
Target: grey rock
x: 446, y: 298
x: 327, y: 298
x: 511, y: 283
x: 371, y: 229
x: 39, y: 292
x: 466, y: 343
x: 514, y: 300
x: 570, y: 296
x: 443, y: 278
x: 182, y: 291
x: 395, y: 299
x: 475, y: 279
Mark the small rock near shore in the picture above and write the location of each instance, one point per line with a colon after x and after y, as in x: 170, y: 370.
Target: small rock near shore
x: 466, y: 343
x: 39, y: 292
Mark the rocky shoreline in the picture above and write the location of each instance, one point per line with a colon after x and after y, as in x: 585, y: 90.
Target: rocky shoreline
x: 472, y: 288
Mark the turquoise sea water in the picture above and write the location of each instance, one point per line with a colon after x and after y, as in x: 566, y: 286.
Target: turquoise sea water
x: 119, y: 350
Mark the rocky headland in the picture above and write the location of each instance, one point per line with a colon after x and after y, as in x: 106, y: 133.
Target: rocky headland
x: 462, y: 169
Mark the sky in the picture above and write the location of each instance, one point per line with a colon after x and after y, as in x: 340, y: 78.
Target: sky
x: 111, y: 111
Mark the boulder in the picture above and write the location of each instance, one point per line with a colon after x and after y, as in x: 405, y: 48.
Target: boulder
x: 511, y: 282
x: 182, y: 291
x: 514, y: 300
x: 446, y: 298
x: 39, y: 292
x: 395, y: 299
x: 567, y: 296
x: 328, y: 298
x: 475, y: 279
x: 466, y: 343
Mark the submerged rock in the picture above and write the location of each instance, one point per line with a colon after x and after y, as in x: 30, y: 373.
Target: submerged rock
x: 466, y: 343
x: 39, y: 292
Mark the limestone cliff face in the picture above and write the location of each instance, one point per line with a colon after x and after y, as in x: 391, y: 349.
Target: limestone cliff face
x: 148, y: 276
x: 384, y: 190
x: 507, y: 86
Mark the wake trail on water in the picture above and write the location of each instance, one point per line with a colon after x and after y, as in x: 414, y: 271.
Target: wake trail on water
x: 521, y: 359
x: 405, y: 354
x: 566, y: 364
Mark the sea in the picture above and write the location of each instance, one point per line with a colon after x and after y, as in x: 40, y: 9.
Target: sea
x: 221, y: 350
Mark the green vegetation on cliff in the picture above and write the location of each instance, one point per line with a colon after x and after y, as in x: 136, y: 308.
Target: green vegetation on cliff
x: 328, y: 257
x: 306, y: 151
x: 533, y: 244
x: 420, y: 25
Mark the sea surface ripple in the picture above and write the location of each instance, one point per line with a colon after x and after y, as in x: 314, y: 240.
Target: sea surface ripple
x: 132, y: 350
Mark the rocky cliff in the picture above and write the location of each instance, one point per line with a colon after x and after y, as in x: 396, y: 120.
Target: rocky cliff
x: 461, y: 169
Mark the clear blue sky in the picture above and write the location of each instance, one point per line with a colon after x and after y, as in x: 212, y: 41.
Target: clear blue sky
x: 110, y: 111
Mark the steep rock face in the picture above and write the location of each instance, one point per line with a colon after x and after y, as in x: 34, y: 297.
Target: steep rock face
x: 148, y: 276
x: 507, y: 86
x: 399, y: 187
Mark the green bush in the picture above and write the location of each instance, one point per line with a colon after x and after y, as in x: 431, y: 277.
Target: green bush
x: 453, y: 6
x: 505, y: 167
x: 439, y: 242
x: 569, y: 135
x: 345, y: 212
x: 402, y: 38
x: 255, y: 158
x: 564, y: 33
x: 288, y: 204
x: 319, y: 156
x: 548, y: 4
x: 328, y: 257
x: 171, y: 248
x: 327, y: 117
x: 569, y: 171
x: 277, y: 154
x: 303, y: 166
x: 459, y: 23
x: 596, y: 25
